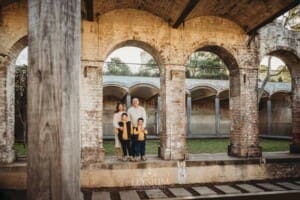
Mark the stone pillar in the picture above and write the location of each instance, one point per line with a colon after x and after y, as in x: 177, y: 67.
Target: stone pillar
x: 295, y: 146
x: 189, y: 113
x: 244, y: 135
x: 92, y: 150
x: 217, y: 115
x: 173, y: 136
x: 53, y: 100
x: 158, y: 115
x: 128, y: 101
x: 7, y: 137
x: 269, y: 116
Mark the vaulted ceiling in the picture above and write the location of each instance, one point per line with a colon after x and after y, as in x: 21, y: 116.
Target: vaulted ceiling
x: 248, y: 14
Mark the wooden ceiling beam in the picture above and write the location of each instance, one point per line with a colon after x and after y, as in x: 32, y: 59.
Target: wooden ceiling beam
x: 89, y: 10
x: 187, y: 10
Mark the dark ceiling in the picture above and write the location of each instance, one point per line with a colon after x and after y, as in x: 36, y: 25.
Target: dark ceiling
x: 248, y: 14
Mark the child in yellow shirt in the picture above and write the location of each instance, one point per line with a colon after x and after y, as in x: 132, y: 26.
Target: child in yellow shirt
x: 140, y: 144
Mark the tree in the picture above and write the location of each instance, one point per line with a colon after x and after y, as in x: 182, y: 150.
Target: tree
x: 282, y: 73
x: 149, y: 69
x: 21, y: 100
x: 291, y: 19
x: 117, y: 67
x: 206, y: 65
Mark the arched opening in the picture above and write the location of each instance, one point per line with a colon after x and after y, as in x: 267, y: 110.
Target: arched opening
x: 21, y: 69
x: 203, y: 111
x: 9, y: 111
x: 282, y: 65
x: 148, y: 96
x: 134, y: 66
x: 281, y: 124
x: 212, y: 105
x: 112, y: 93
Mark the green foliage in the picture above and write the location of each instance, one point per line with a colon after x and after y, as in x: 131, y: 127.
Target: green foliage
x: 20, y: 149
x: 293, y: 18
x: 20, y: 100
x: 282, y: 74
x: 149, y: 69
x: 117, y: 67
x: 206, y: 65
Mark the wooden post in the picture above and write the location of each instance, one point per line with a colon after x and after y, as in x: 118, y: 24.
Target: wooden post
x: 53, y: 100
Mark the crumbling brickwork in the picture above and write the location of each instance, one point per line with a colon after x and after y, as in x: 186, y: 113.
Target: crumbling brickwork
x: 275, y: 40
x: 171, y: 49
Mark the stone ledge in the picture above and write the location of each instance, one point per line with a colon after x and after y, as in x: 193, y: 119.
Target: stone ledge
x: 201, y: 168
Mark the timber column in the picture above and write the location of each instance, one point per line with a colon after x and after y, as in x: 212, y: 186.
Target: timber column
x: 173, y: 135
x: 244, y: 140
x: 91, y: 112
x: 53, y: 100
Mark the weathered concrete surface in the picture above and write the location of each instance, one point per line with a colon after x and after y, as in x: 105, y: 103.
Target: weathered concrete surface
x: 209, y: 168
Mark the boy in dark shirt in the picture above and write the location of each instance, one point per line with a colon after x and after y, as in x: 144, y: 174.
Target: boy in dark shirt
x: 124, y: 134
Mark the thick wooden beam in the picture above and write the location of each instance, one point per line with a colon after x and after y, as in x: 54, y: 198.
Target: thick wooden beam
x: 89, y: 10
x: 53, y: 100
x: 189, y: 7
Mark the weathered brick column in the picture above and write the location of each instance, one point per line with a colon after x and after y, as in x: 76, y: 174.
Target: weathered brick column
x: 244, y: 140
x: 91, y: 102
x: 173, y: 136
x: 295, y: 146
x: 7, y: 153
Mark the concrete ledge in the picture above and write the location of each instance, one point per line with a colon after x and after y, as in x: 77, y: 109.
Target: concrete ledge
x: 200, y: 168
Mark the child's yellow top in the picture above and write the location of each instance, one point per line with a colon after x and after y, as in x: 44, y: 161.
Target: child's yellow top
x: 141, y: 132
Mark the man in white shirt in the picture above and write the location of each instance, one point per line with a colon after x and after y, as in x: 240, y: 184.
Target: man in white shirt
x: 136, y: 111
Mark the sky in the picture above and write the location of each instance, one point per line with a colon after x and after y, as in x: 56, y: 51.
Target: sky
x: 132, y: 55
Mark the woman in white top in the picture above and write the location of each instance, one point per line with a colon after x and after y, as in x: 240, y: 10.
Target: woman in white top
x: 116, y: 119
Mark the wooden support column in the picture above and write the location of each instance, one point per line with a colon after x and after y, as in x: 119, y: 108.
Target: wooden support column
x: 53, y: 100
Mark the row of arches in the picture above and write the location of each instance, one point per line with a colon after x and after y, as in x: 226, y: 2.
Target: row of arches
x: 171, y: 54
x: 204, y: 107
x: 198, y: 94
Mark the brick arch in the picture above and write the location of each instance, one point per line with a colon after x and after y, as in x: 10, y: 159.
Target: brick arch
x: 8, y: 90
x: 290, y: 57
x: 152, y: 50
x: 232, y: 63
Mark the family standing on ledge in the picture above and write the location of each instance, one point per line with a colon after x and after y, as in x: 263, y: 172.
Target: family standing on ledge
x: 130, y: 132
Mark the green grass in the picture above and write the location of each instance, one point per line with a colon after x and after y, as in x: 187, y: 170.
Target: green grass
x: 207, y: 146
x: 20, y: 149
x: 194, y: 146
